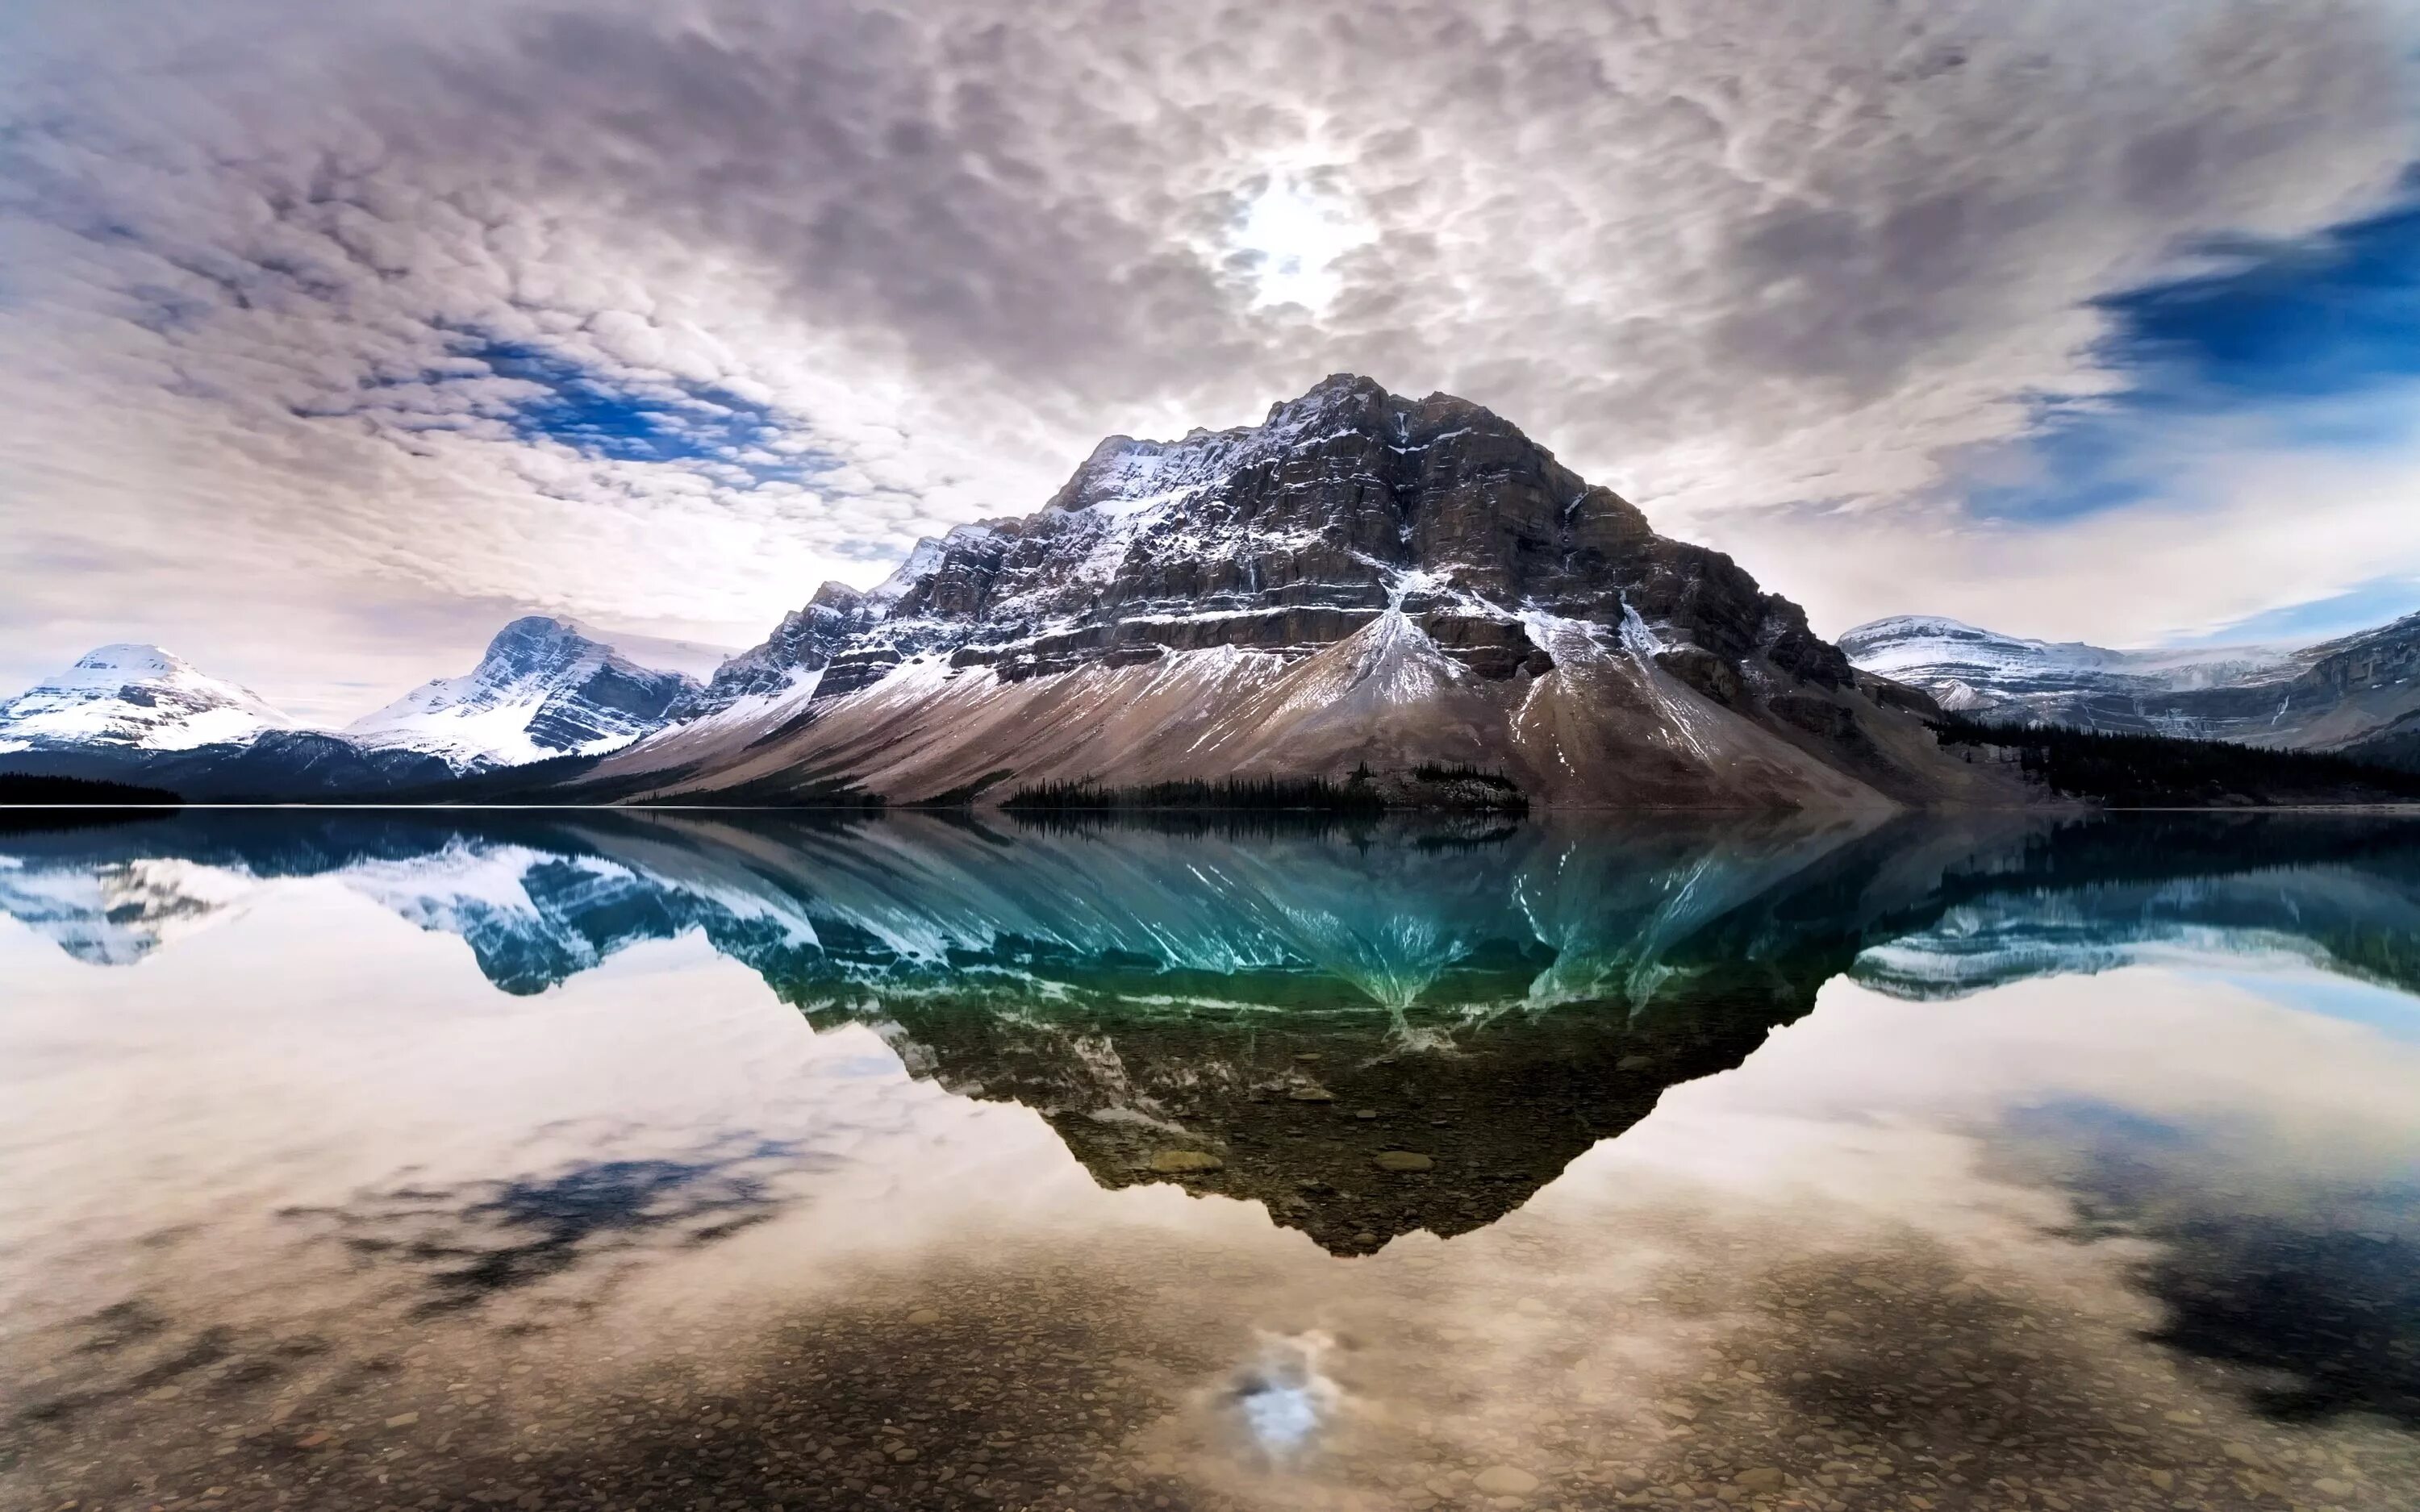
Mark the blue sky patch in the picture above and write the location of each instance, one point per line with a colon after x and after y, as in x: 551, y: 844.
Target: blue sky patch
x: 606, y: 417
x: 2278, y: 336
x: 2337, y: 313
x: 2308, y: 347
x: 620, y: 416
x: 2372, y: 603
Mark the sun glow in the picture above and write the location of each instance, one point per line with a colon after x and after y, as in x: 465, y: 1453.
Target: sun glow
x: 1290, y: 229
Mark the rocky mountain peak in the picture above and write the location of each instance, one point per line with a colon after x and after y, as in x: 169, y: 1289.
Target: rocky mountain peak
x: 1346, y: 502
x: 537, y: 635
x: 1361, y: 580
x: 788, y: 663
x: 542, y: 688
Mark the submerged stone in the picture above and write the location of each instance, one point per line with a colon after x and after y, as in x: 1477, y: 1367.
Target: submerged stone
x: 1505, y: 1480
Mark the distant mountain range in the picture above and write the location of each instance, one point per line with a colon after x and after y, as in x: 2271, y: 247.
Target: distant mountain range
x: 137, y: 713
x: 2359, y: 694
x: 1365, y: 590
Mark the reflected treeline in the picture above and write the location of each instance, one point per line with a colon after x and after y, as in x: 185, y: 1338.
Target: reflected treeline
x: 1370, y: 1028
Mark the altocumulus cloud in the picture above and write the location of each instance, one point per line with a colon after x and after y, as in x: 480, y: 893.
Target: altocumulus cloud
x: 329, y: 335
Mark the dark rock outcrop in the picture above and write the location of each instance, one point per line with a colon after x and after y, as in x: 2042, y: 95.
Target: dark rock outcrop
x: 804, y: 642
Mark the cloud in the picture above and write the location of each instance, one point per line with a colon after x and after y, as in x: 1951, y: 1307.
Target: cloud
x: 316, y: 321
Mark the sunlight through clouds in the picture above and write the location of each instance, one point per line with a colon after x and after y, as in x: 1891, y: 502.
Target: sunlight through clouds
x: 1291, y: 229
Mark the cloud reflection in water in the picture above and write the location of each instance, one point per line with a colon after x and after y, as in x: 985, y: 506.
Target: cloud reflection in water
x: 1284, y: 1399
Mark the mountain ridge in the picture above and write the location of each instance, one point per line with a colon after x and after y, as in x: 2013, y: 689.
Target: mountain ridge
x: 1363, y: 587
x: 2357, y: 695
x: 136, y: 713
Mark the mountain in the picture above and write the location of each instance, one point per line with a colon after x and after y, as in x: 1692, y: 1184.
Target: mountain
x: 784, y: 672
x: 2360, y: 694
x: 1970, y: 670
x: 136, y: 714
x: 1362, y: 580
x: 130, y: 699
x: 542, y: 690
x: 141, y: 715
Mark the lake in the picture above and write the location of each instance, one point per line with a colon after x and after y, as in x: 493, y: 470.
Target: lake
x: 615, y: 1160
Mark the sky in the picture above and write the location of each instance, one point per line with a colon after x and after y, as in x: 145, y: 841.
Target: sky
x: 332, y: 337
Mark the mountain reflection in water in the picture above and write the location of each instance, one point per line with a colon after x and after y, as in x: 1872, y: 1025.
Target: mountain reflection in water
x: 1375, y: 1036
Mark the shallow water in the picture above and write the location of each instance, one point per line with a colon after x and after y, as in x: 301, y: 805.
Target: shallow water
x: 614, y: 1161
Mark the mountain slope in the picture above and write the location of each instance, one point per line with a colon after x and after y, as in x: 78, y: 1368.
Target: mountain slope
x: 542, y: 690
x: 134, y: 697
x: 1363, y: 580
x: 2395, y: 744
x: 2332, y: 696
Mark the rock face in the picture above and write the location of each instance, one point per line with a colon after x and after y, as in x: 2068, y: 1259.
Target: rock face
x: 791, y: 660
x: 542, y: 690
x: 1362, y: 580
x: 2359, y: 694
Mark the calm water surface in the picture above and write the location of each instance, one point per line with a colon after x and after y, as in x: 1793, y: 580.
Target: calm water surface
x: 626, y: 1162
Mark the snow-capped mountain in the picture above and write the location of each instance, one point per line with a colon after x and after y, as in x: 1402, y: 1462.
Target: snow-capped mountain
x: 137, y: 713
x: 542, y: 690
x: 1969, y: 667
x: 1362, y: 580
x: 134, y: 698
x: 2338, y: 695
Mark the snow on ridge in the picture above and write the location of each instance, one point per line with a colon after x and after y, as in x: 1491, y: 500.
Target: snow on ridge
x: 1977, y: 667
x: 883, y: 597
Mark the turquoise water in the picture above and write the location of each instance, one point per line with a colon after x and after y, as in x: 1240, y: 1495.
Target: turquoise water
x: 414, y: 1160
